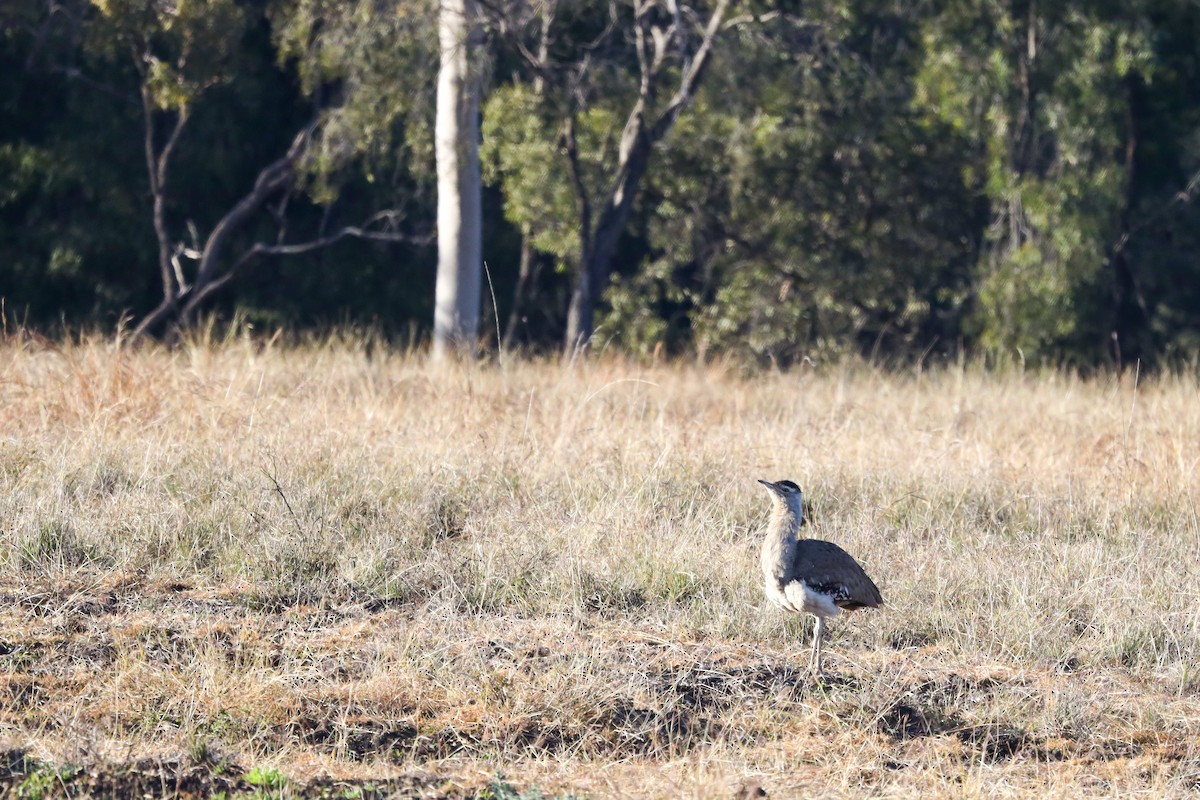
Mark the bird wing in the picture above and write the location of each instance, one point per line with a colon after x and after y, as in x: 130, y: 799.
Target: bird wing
x: 829, y: 569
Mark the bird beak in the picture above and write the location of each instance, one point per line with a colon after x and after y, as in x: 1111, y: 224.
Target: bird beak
x: 767, y: 484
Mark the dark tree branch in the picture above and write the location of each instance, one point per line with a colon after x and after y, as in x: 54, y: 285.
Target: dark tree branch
x: 215, y: 271
x: 157, y: 164
x: 350, y: 231
x: 583, y: 202
x: 1183, y: 196
x: 299, y: 248
x: 692, y: 74
x: 273, y: 177
x: 540, y: 64
x: 527, y: 272
x: 637, y: 142
x: 659, y: 34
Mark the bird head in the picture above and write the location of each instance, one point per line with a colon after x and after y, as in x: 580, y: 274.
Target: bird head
x: 787, y: 493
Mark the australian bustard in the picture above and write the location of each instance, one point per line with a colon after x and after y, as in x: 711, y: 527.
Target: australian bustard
x: 810, y: 575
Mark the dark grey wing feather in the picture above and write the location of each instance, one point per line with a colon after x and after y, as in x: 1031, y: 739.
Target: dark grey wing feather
x: 829, y: 569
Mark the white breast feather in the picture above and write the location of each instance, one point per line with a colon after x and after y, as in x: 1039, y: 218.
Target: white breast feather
x: 805, y: 599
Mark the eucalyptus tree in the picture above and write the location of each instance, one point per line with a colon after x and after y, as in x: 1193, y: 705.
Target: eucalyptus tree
x: 1041, y: 89
x: 360, y: 65
x: 812, y: 211
x: 615, y: 79
x: 460, y: 188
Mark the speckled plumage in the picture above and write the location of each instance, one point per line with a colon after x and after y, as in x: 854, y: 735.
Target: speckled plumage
x: 809, y: 575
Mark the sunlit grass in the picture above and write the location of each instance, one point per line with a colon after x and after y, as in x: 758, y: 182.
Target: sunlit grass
x: 334, y: 559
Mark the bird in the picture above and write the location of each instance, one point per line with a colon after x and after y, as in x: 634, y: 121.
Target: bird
x: 809, y: 575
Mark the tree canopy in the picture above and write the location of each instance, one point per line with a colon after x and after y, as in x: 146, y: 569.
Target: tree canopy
x: 894, y: 179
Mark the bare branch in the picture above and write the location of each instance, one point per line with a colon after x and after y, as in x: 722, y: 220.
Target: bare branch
x: 273, y: 177
x: 1183, y: 196
x: 638, y: 139
x: 299, y: 248
x: 543, y: 53
x: 157, y: 163
x: 678, y: 25
x: 539, y: 63
x: 639, y: 46
x: 164, y: 156
x: 350, y: 231
x: 691, y: 77
x: 180, y: 279
x: 279, y: 491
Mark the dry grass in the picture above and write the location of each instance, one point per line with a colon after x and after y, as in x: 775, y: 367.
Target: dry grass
x: 337, y: 564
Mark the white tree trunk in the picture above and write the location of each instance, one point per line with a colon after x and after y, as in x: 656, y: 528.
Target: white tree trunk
x: 459, y: 222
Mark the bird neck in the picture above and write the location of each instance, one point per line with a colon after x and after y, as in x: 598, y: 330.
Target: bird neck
x: 785, y: 520
x: 779, y: 545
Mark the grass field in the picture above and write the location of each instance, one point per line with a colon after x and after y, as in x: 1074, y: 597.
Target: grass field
x: 335, y: 571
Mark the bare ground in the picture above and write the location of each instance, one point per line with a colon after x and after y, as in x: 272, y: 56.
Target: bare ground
x: 125, y: 687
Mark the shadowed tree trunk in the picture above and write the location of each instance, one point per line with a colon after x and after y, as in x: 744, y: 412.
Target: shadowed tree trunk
x: 527, y: 272
x: 272, y: 179
x: 656, y: 36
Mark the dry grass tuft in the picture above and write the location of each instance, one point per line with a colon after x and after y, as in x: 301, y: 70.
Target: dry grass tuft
x: 335, y: 569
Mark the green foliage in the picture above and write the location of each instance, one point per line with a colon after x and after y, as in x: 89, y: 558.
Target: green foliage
x: 269, y: 783
x: 787, y: 222
x: 37, y: 785
x: 500, y: 789
x: 44, y: 781
x: 1043, y: 98
x: 266, y: 778
x: 866, y: 177
x: 182, y: 47
x: 379, y: 61
x: 523, y: 152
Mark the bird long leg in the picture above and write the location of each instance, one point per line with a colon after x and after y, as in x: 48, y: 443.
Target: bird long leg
x: 814, y: 662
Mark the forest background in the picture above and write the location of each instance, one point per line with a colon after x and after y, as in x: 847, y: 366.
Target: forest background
x: 891, y: 179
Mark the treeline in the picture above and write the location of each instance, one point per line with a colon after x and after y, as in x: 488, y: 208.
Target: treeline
x: 885, y: 178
